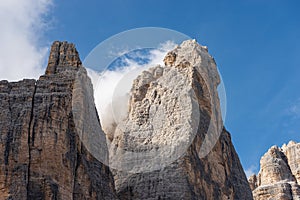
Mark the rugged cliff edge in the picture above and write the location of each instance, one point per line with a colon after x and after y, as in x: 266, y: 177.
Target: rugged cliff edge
x: 174, y: 118
x: 173, y: 145
x: 279, y: 176
x: 42, y: 156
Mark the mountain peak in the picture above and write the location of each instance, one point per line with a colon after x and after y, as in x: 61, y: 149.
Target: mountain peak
x: 174, y: 130
x: 279, y: 174
x: 63, y: 56
x: 53, y: 142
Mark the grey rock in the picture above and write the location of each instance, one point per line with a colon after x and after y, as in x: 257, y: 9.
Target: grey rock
x: 48, y: 129
x: 43, y: 157
x: 173, y: 145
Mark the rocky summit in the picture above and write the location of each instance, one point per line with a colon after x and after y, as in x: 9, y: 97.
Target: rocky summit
x: 279, y: 175
x: 178, y: 148
x: 172, y: 145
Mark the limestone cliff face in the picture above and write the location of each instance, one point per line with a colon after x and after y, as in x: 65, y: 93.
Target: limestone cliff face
x: 173, y: 145
x: 42, y: 156
x: 278, y: 177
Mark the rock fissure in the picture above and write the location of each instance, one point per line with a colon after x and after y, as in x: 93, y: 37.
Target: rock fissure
x: 173, y: 109
x: 29, y: 141
x: 9, y: 136
x: 174, y: 115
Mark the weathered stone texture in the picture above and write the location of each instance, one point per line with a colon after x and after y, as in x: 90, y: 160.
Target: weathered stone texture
x: 42, y: 155
x: 44, y: 124
x: 16, y: 109
x: 278, y: 178
x: 175, y: 108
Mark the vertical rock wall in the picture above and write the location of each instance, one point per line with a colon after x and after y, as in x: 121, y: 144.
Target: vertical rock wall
x: 172, y: 144
x: 174, y: 117
x: 42, y: 155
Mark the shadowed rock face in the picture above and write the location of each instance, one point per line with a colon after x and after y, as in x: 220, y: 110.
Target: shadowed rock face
x: 42, y: 156
x: 278, y: 177
x: 177, y: 105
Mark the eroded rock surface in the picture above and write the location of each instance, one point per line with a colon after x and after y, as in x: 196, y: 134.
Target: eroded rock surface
x: 42, y: 156
x: 278, y: 178
x: 172, y: 144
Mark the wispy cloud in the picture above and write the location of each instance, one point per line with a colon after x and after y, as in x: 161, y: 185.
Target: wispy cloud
x: 112, y: 87
x: 22, y: 26
x: 250, y: 171
x: 294, y: 109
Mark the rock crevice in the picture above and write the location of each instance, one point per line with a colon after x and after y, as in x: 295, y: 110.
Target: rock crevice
x: 43, y: 157
x: 29, y: 141
x: 172, y: 145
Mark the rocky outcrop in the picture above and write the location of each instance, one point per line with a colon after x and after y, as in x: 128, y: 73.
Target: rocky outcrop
x: 173, y: 145
x: 42, y: 155
x: 292, y: 153
x: 278, y: 177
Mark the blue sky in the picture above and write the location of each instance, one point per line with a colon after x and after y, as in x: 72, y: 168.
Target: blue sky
x: 256, y: 44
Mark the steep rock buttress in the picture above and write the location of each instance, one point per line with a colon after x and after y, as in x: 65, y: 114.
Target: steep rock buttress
x: 173, y: 145
x: 174, y: 119
x: 42, y: 156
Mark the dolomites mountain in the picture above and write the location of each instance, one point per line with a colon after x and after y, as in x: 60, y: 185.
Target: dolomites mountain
x: 279, y: 176
x: 42, y: 156
x: 173, y: 141
x: 172, y: 145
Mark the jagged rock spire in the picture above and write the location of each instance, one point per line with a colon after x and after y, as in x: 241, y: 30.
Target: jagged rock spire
x: 42, y: 156
x: 164, y: 149
x: 279, y: 175
x: 63, y: 55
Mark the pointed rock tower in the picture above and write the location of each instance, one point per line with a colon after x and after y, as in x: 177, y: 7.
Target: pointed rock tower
x: 279, y: 174
x: 172, y: 145
x: 42, y: 155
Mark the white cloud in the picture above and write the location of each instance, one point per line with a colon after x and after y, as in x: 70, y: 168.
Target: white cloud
x: 250, y: 171
x: 22, y: 25
x: 112, y: 88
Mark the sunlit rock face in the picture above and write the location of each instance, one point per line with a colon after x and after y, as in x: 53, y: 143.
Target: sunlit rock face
x: 278, y: 177
x: 172, y: 145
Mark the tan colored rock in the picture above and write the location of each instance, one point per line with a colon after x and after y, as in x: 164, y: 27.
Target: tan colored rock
x: 62, y: 56
x: 292, y: 152
x: 42, y: 155
x: 278, y: 178
x: 274, y: 167
x: 170, y: 59
x: 253, y: 181
x: 15, y: 117
x: 48, y: 130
